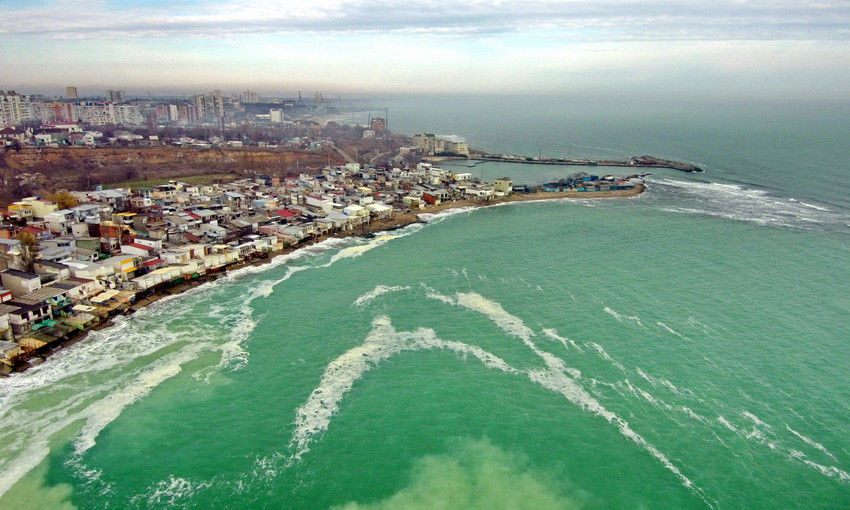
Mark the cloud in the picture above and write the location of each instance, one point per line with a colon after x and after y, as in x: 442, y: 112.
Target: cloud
x: 584, y: 20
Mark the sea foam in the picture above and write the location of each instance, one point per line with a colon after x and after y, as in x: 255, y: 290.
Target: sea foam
x: 379, y: 290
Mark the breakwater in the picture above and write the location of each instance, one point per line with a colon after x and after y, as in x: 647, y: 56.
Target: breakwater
x: 633, y: 162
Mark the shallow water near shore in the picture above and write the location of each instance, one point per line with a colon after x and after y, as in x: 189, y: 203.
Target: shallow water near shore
x: 681, y: 349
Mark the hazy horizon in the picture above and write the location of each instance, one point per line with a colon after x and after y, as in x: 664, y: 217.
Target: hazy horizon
x: 660, y: 50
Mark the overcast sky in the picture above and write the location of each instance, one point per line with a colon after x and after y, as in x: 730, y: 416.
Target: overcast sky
x: 713, y: 49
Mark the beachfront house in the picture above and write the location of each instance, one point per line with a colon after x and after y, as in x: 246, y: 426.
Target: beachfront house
x: 87, y: 213
x: 379, y: 211
x: 20, y: 282
x: 60, y: 253
x: 154, y: 244
x: 89, y: 270
x: 120, y: 268
x: 213, y: 231
x: 56, y: 297
x: 299, y: 232
x: 52, y: 270
x: 10, y: 253
x: 5, y: 325
x: 79, y: 289
x: 138, y: 249
x: 20, y: 211
x: 325, y: 204
x: 26, y: 315
x: 358, y: 214
x: 504, y: 185
x: 118, y: 199
x: 59, y: 222
x: 479, y: 194
x: 8, y: 352
x: 40, y: 207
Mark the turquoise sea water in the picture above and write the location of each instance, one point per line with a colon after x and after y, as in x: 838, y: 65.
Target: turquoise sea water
x: 683, y: 349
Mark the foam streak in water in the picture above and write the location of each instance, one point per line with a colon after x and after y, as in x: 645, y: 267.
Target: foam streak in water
x: 314, y: 416
x: 810, y: 442
x: 621, y: 317
x: 551, y: 333
x: 380, y: 290
x: 555, y: 379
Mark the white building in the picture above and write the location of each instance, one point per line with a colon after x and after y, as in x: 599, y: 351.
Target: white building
x: 14, y: 108
x: 128, y: 115
x: 97, y: 113
x: 439, y: 144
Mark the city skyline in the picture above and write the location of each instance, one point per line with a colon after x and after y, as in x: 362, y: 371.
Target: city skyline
x: 682, y: 51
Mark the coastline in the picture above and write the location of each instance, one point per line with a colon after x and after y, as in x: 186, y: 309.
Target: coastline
x: 397, y: 221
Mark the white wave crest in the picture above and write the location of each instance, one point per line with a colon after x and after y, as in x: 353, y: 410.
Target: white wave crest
x: 555, y: 378
x: 723, y: 421
x: 662, y: 382
x: 812, y: 206
x: 761, y: 432
x: 434, y: 294
x: 830, y: 471
x: 755, y: 419
x: 748, y: 205
x: 169, y: 492
x: 551, y: 333
x: 621, y: 317
x: 379, y: 290
x: 810, y: 442
x: 607, y: 357
x: 489, y: 360
x: 96, y: 406
x: 672, y: 331
x: 315, y: 414
x: 442, y: 215
x: 494, y: 311
x: 382, y: 342
x: 106, y: 410
x: 94, y: 381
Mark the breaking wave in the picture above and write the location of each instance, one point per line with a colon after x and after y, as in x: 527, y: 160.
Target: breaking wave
x: 734, y: 202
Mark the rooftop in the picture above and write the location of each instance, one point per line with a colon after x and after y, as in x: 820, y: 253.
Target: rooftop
x: 21, y: 274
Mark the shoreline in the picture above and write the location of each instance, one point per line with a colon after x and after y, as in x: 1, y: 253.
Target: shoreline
x: 397, y: 221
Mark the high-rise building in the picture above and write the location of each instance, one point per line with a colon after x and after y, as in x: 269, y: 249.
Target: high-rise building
x: 97, y: 113
x: 116, y: 96
x: 14, y: 108
x: 276, y: 115
x: 71, y: 93
x: 53, y: 111
x: 250, y: 97
x: 128, y: 115
x: 210, y: 105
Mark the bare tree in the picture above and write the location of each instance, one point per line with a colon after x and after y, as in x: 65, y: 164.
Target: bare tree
x: 29, y: 250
